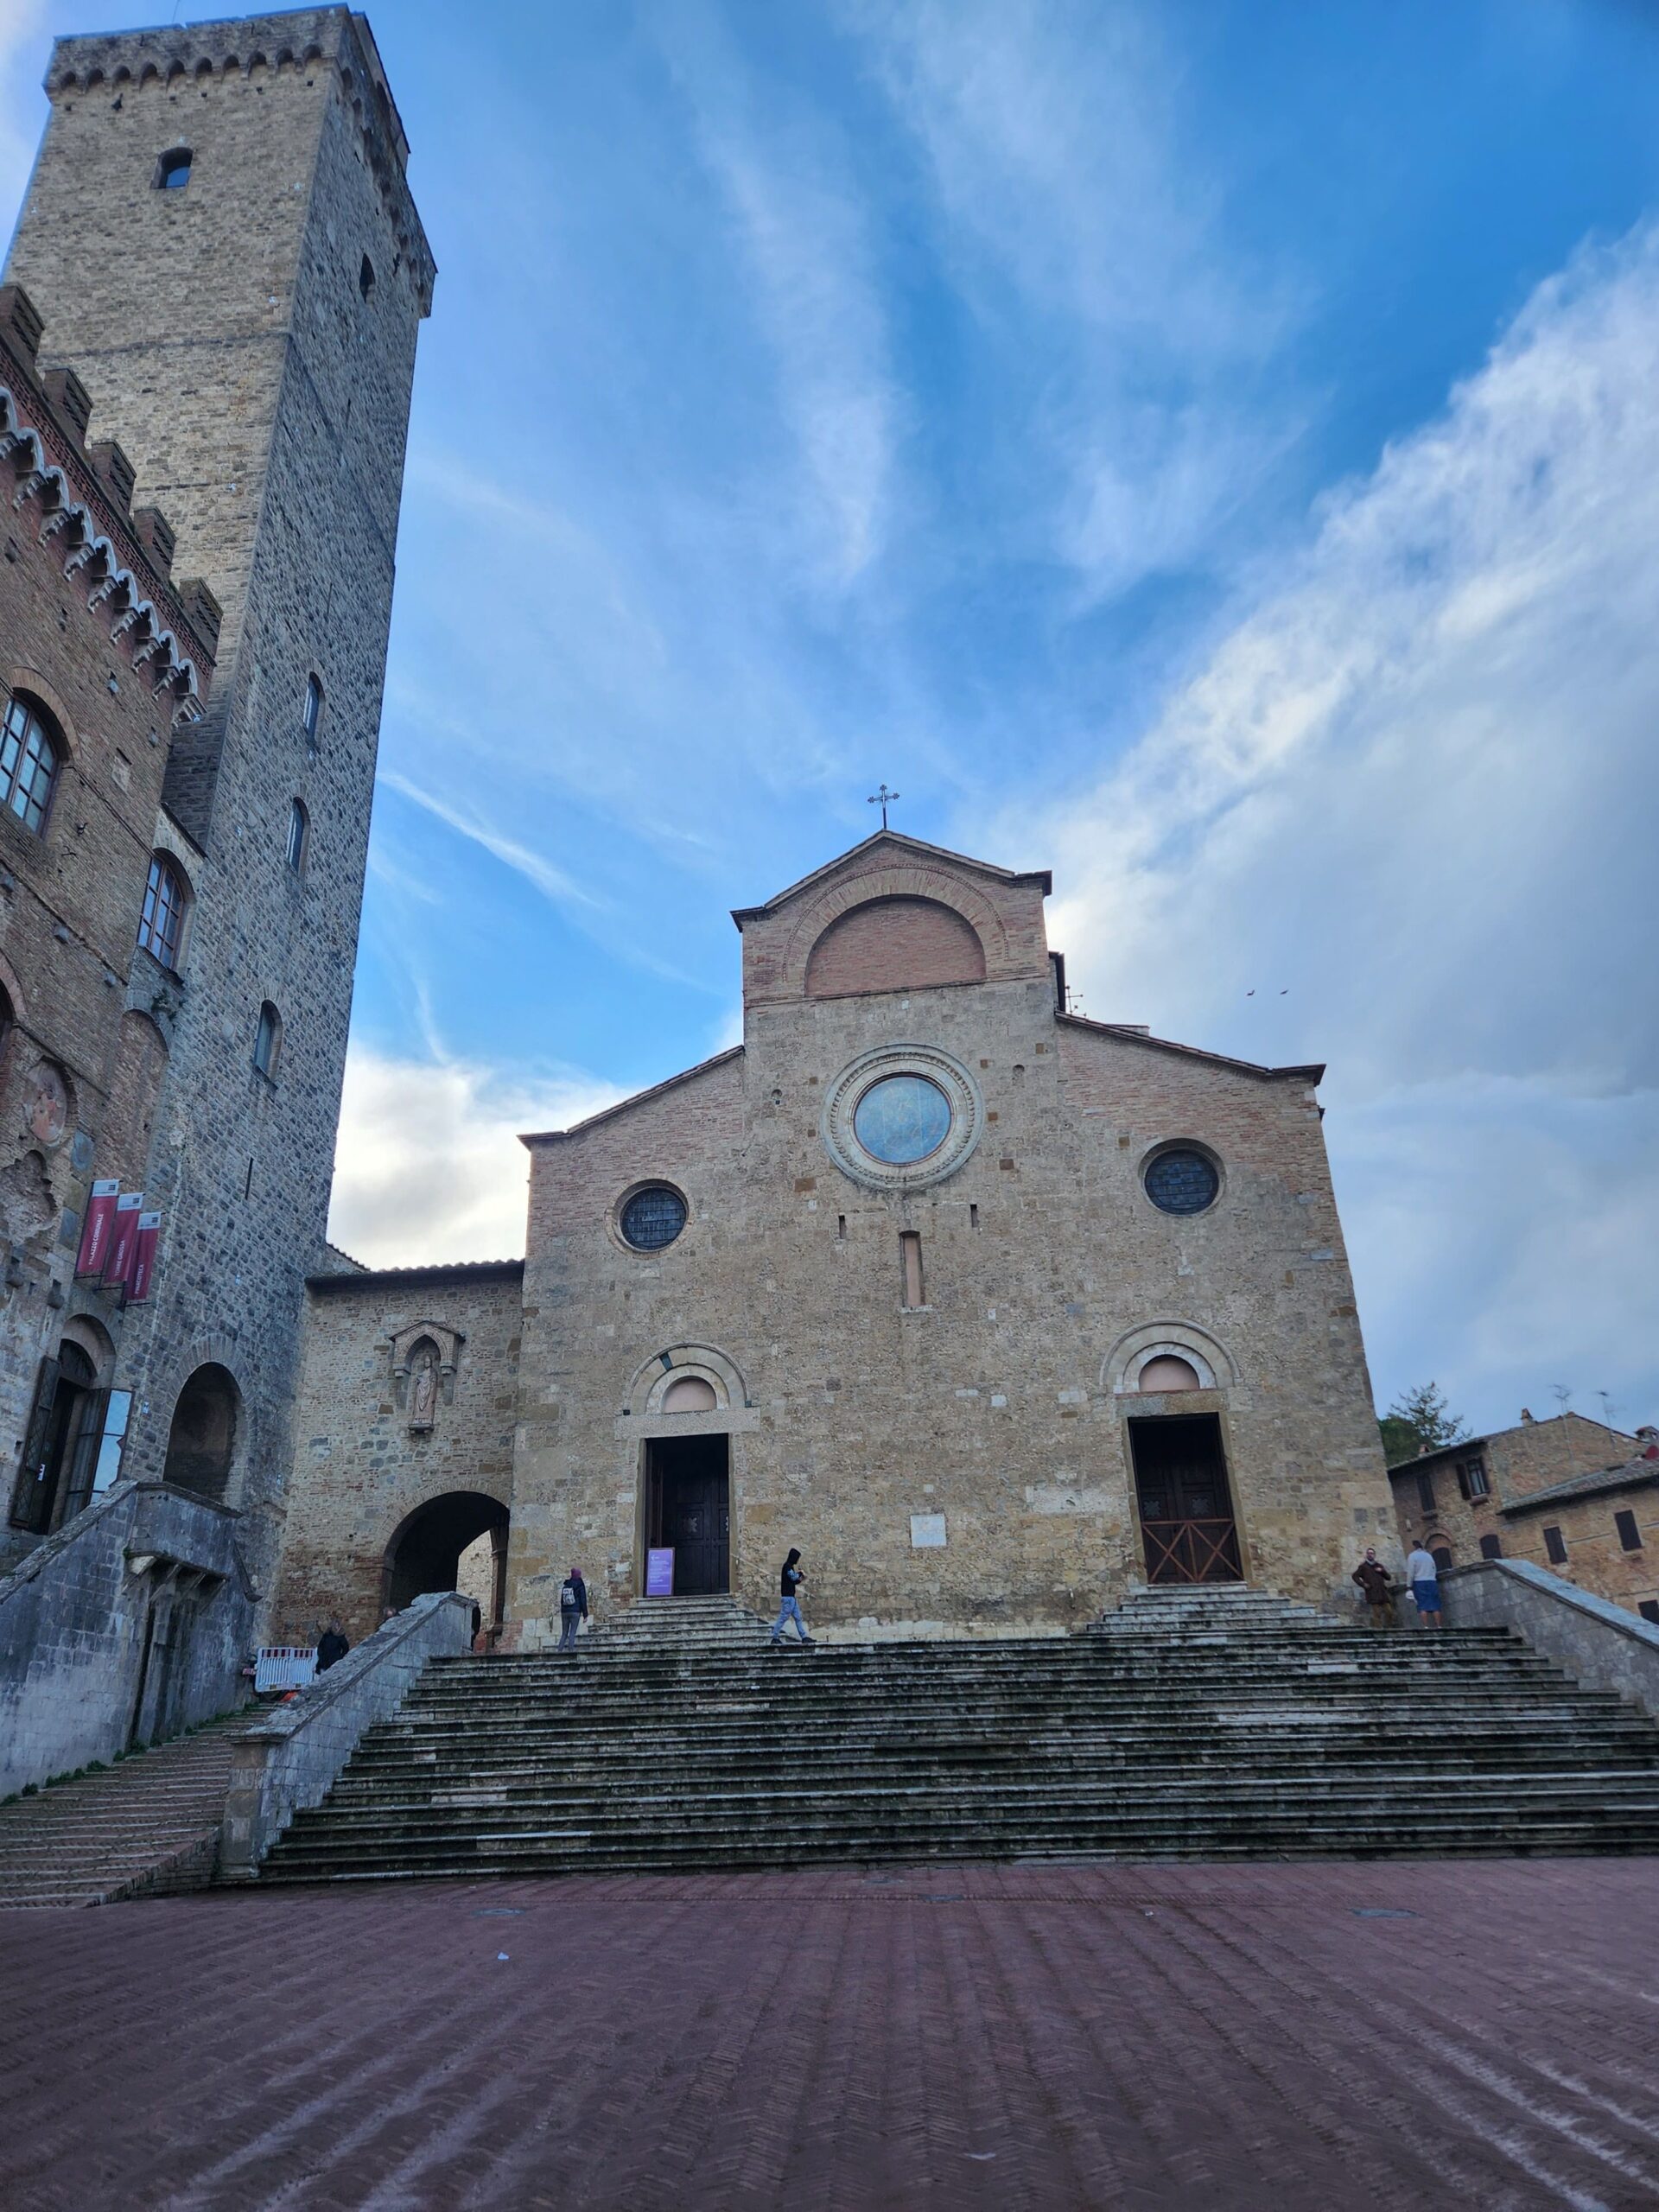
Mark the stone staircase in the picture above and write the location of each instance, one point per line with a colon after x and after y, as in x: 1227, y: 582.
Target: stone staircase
x: 1193, y: 1724
x: 145, y: 1827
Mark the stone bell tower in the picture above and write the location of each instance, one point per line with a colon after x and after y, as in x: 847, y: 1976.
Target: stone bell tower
x: 221, y: 240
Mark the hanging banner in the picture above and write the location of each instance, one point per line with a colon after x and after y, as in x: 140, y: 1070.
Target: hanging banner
x: 143, y: 1258
x: 95, y: 1231
x: 119, y: 1266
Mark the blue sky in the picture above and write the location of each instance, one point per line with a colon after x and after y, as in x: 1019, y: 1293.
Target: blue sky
x: 1206, y: 449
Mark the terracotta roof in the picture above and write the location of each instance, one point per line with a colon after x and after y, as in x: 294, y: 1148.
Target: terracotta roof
x: 637, y: 1098
x: 905, y: 845
x: 440, y: 1271
x: 1633, y: 1475
x: 1137, y: 1035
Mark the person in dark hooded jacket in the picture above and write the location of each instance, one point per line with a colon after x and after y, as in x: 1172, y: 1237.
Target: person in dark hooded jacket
x: 573, y: 1609
x: 789, y: 1582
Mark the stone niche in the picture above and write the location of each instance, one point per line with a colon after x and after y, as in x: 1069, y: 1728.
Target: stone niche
x: 423, y: 1360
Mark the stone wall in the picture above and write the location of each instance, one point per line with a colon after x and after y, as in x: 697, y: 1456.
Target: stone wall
x: 361, y: 1468
x: 1519, y: 1462
x: 1003, y: 1403
x: 1598, y: 1643
x: 126, y: 1626
x: 261, y: 385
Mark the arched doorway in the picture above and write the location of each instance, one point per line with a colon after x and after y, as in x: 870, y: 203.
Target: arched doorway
x: 202, y: 1441
x: 424, y: 1554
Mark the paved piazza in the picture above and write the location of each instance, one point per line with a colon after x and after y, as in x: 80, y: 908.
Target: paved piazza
x: 1314, y: 2036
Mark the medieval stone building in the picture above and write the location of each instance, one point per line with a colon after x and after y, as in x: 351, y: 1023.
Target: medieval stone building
x: 215, y: 288
x: 993, y: 1311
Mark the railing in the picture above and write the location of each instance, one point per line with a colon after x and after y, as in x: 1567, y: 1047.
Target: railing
x: 1193, y: 1551
x: 1600, y: 1645
x: 288, y: 1758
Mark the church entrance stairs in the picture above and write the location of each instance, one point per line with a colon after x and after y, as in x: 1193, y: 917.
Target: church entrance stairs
x: 146, y: 1826
x: 1204, y: 1725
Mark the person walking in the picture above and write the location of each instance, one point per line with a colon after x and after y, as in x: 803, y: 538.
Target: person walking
x: 1424, y: 1577
x: 789, y: 1582
x: 1377, y: 1583
x: 573, y: 1609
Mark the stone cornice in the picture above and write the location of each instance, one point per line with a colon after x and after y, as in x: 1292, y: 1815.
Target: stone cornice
x: 50, y: 477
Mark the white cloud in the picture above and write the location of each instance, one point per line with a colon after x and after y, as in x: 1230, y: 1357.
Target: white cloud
x: 1416, y: 789
x: 429, y: 1167
x: 1084, y: 221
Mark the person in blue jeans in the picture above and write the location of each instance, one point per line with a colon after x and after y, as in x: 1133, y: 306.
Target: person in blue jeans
x: 789, y: 1582
x: 573, y: 1609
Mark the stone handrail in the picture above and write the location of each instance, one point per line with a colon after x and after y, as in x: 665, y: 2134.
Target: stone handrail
x: 1600, y: 1643
x: 288, y: 1758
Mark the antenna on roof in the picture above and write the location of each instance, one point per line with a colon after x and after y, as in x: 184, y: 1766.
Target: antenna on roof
x: 884, y: 798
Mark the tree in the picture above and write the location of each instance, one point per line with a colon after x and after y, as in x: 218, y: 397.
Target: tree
x: 1419, y: 1421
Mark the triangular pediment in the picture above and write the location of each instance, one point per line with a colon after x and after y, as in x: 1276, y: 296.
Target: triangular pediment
x: 890, y: 845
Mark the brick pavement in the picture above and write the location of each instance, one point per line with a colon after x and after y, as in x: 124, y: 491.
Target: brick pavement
x: 959, y: 2037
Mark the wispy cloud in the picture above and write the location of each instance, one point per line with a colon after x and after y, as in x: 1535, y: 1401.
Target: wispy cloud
x: 1412, y: 791
x: 552, y: 882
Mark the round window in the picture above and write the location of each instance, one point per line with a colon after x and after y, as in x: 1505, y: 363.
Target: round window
x: 652, y: 1218
x: 902, y: 1119
x: 1182, y: 1181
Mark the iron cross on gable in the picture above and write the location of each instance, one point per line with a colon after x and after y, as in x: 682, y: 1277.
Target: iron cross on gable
x: 884, y: 798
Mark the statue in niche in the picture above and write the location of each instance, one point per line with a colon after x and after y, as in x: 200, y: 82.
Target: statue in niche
x: 424, y: 1389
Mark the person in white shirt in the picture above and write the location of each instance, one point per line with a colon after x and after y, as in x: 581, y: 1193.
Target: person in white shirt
x: 1424, y: 1576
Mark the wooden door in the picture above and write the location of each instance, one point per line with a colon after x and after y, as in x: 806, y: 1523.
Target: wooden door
x: 697, y: 1522
x: 1186, y: 1516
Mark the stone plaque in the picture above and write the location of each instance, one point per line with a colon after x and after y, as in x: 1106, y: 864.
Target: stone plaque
x: 926, y: 1532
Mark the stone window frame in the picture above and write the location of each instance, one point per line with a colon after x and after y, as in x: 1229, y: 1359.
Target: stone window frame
x: 625, y: 1199
x: 169, y: 163
x: 842, y: 1097
x: 297, y: 847
x: 167, y: 951
x: 267, y: 1040
x: 1155, y: 1152
x: 41, y: 706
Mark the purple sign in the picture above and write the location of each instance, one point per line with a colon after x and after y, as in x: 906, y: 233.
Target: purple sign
x: 659, y: 1573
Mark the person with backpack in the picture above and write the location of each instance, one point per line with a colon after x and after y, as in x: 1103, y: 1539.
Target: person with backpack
x: 572, y: 1608
x: 789, y: 1582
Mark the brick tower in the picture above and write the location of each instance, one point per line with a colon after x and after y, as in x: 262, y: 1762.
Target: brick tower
x: 220, y: 241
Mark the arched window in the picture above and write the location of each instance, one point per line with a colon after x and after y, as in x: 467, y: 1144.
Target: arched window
x: 689, y: 1394
x: 299, y: 827
x: 1167, y: 1372
x: 313, y: 708
x: 365, y: 279
x: 173, y: 170
x: 29, y: 752
x: 161, y: 925
x: 267, y: 1040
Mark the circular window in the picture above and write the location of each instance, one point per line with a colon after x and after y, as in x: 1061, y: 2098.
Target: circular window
x: 1182, y: 1181
x: 902, y: 1116
x: 902, y: 1119
x: 652, y: 1218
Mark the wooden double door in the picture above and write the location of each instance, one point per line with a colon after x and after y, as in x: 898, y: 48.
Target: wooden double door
x: 1186, y: 1513
x: 689, y: 1510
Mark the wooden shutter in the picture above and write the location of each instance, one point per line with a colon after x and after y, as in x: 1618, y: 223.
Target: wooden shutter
x: 31, y: 1504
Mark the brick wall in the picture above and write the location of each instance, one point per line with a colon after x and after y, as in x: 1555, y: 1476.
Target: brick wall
x: 894, y: 945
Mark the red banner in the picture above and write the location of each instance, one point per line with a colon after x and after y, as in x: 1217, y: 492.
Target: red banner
x: 119, y: 1266
x: 95, y: 1231
x: 143, y: 1258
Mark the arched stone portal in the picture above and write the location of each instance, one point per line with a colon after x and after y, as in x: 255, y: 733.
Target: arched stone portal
x: 425, y: 1552
x: 201, y: 1443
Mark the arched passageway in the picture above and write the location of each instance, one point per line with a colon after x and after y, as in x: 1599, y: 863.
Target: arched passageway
x: 202, y: 1441
x: 425, y: 1552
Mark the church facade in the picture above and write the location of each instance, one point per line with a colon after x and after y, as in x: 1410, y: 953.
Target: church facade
x: 993, y: 1311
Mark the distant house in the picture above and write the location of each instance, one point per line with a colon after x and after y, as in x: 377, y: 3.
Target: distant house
x: 1569, y: 1494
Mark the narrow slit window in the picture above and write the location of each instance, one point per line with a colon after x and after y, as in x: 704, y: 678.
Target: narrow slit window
x: 267, y: 1045
x: 313, y: 709
x: 841, y: 1228
x: 910, y: 1248
x: 973, y: 1216
x: 296, y: 834
x: 365, y: 279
